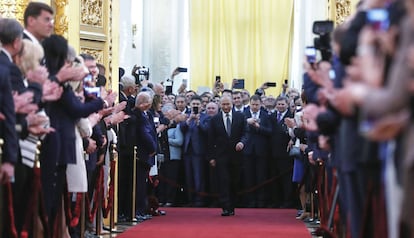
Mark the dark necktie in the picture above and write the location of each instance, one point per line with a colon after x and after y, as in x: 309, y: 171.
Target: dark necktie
x: 279, y: 116
x: 228, y: 124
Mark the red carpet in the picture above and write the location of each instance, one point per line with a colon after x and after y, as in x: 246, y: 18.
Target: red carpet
x: 207, y: 222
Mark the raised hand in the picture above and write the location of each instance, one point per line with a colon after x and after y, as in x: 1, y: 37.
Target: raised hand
x: 51, y: 91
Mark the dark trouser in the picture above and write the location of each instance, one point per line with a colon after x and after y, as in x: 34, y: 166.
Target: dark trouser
x: 53, y: 182
x: 228, y: 170
x: 281, y: 189
x: 141, y: 196
x: 352, y: 188
x: 21, y: 193
x: 168, y: 181
x: 255, y: 174
x: 125, y: 165
x: 195, y: 178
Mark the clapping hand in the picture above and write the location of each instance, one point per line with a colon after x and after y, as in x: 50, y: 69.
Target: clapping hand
x: 51, y: 91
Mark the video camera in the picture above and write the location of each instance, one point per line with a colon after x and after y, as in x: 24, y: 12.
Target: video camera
x: 143, y: 73
x: 323, y: 43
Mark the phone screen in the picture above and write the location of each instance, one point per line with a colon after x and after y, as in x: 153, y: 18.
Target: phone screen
x: 195, y: 110
x: 239, y: 84
x: 310, y: 53
x: 378, y: 19
x: 95, y: 91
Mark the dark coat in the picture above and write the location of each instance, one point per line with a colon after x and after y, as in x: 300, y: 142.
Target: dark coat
x: 258, y: 138
x: 220, y: 145
x: 7, y: 130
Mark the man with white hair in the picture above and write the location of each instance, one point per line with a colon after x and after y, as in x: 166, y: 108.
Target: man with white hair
x: 126, y: 144
x: 146, y: 141
x: 129, y: 88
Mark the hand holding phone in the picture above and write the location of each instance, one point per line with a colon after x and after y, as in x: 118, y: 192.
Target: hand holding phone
x: 270, y: 84
x: 195, y: 110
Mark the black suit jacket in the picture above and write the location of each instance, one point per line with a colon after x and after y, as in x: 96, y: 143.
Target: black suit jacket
x: 146, y: 138
x: 126, y: 138
x: 16, y: 76
x: 7, y: 130
x: 16, y: 81
x: 280, y: 135
x: 258, y: 137
x: 59, y: 146
x: 222, y: 146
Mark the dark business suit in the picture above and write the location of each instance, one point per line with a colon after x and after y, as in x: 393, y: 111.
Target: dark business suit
x: 58, y: 148
x: 255, y: 157
x: 146, y: 141
x: 23, y: 174
x: 16, y: 76
x: 126, y: 143
x: 281, y: 165
x: 194, y: 149
x: 222, y: 150
x: 7, y: 132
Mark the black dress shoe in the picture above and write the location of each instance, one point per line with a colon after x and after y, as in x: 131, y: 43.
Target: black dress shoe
x: 226, y: 213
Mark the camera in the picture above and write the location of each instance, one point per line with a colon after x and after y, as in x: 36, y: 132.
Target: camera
x: 95, y: 91
x: 142, y: 73
x: 378, y: 19
x: 142, y: 70
x: 323, y: 43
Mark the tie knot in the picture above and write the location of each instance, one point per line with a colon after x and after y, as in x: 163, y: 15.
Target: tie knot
x: 227, y: 115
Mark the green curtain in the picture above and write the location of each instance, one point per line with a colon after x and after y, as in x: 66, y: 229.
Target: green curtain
x: 248, y: 39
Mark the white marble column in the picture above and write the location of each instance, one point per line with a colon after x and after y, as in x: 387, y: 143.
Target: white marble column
x: 305, y: 13
x: 165, y: 42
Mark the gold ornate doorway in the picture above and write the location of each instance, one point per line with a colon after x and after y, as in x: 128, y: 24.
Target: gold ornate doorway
x: 89, y: 26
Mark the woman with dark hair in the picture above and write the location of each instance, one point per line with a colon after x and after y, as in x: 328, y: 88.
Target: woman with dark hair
x: 59, y: 148
x: 56, y: 53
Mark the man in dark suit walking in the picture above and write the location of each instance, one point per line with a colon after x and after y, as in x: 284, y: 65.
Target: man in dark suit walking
x: 226, y: 140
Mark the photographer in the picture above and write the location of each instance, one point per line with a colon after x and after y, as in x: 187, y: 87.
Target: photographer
x: 194, y: 150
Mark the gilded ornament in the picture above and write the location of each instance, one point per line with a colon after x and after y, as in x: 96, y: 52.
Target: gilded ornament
x: 343, y: 10
x: 92, y: 12
x: 61, y: 18
x: 97, y: 54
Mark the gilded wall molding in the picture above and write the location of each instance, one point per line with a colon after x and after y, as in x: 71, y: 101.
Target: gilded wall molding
x: 96, y: 53
x: 13, y: 9
x: 61, y: 18
x: 91, y: 13
x: 339, y: 10
x: 110, y: 43
x: 343, y: 10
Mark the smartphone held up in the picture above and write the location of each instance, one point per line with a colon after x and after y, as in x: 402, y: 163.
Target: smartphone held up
x: 310, y: 53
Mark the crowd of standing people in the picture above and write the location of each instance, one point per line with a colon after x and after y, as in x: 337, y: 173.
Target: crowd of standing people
x: 338, y: 150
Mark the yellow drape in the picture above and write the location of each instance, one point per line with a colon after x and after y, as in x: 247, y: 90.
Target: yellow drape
x: 247, y: 39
